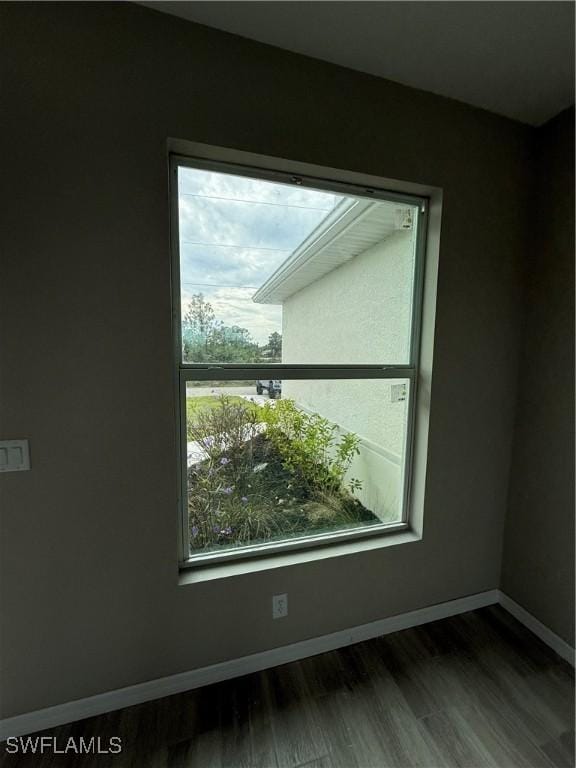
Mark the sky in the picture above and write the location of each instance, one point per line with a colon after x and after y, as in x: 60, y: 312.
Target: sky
x: 234, y: 232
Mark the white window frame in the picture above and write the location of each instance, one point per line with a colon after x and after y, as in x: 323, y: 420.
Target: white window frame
x: 185, y: 372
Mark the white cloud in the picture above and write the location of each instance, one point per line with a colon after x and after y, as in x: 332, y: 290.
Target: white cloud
x: 234, y: 306
x: 207, y: 183
x: 234, y: 232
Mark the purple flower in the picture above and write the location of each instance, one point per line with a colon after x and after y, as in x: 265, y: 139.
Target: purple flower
x: 228, y: 490
x: 224, y: 461
x: 215, y: 528
x: 244, y: 499
x: 194, y: 531
x: 227, y: 530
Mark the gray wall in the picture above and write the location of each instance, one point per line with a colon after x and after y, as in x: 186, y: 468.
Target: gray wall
x: 90, y: 594
x: 538, y: 558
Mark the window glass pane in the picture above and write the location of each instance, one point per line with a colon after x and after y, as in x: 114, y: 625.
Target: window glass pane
x: 277, y: 273
x: 274, y: 460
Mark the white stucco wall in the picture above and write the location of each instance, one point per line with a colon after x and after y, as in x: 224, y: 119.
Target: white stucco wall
x: 358, y: 313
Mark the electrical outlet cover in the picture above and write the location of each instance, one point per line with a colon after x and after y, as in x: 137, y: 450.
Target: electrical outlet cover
x: 279, y: 606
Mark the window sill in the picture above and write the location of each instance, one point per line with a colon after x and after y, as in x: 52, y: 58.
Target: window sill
x: 225, y: 570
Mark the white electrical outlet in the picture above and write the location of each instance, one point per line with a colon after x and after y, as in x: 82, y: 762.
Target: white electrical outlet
x: 279, y: 606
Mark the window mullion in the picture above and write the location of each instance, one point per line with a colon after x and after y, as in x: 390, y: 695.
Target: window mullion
x: 287, y: 371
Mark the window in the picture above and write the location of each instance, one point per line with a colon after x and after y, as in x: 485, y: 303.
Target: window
x: 297, y: 307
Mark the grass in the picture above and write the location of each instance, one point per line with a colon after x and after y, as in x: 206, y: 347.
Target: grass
x: 195, y: 404
x: 204, y: 403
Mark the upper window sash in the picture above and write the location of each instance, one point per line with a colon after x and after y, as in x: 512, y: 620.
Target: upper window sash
x: 190, y: 285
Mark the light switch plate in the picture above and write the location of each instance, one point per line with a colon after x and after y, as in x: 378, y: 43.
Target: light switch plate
x: 14, y: 455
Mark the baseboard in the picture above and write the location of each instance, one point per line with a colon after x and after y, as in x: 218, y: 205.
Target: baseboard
x: 540, y: 630
x: 196, y: 678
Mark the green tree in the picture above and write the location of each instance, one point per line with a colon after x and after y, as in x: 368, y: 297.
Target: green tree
x: 273, y: 350
x: 206, y: 339
x: 232, y: 344
x: 199, y: 317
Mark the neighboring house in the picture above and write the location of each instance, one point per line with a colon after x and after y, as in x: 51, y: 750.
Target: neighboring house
x: 346, y: 296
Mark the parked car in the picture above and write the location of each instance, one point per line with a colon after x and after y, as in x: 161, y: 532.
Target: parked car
x: 273, y: 387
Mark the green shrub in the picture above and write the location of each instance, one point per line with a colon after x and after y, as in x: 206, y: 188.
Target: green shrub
x: 310, y: 446
x: 217, y: 423
x: 229, y: 499
x: 257, y: 484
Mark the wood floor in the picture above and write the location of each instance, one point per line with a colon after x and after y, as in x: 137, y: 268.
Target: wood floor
x: 474, y: 690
